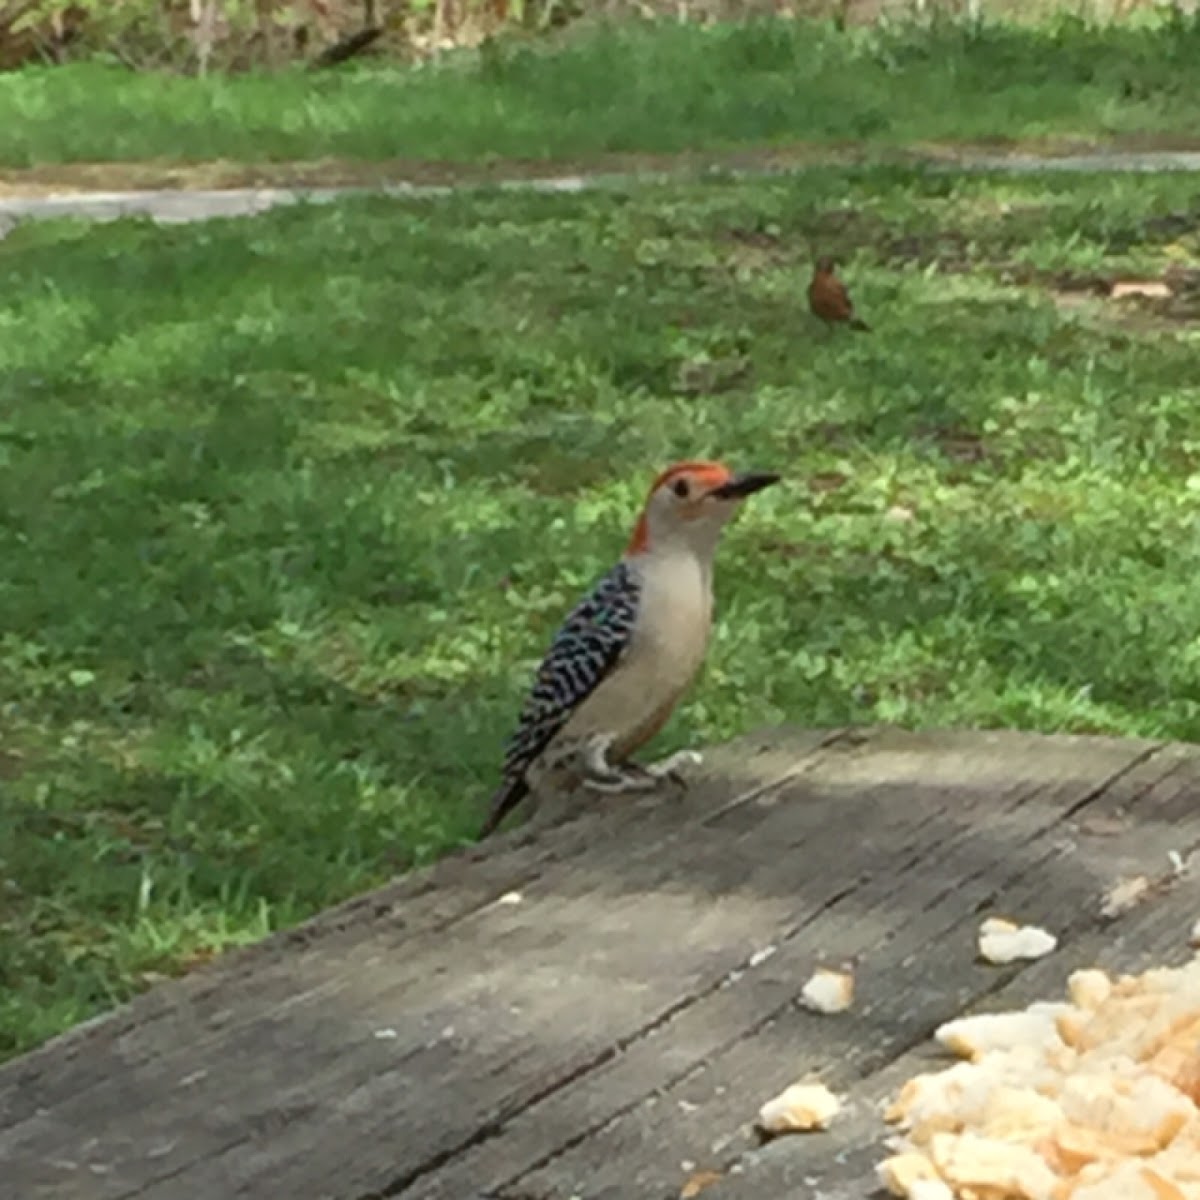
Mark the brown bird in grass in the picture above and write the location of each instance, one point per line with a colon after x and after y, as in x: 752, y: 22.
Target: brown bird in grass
x: 829, y: 300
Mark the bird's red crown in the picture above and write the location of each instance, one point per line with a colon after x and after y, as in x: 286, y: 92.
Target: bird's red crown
x: 708, y: 474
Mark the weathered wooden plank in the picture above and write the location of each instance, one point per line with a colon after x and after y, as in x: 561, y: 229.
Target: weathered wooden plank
x: 321, y: 1108
x: 623, y: 964
x: 739, y: 885
x: 947, y: 861
x: 226, y: 1060
x: 920, y: 977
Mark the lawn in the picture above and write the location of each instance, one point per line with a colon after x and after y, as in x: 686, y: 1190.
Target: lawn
x: 289, y: 507
x: 633, y: 88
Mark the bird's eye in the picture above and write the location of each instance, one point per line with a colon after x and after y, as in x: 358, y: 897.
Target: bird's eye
x: 680, y: 488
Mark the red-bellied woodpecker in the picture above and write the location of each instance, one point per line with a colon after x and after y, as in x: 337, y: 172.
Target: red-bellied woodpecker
x: 628, y: 651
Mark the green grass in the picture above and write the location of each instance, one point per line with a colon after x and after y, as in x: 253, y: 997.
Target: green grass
x: 289, y: 507
x: 632, y: 88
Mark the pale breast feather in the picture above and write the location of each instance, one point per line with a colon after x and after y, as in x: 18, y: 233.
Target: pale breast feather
x: 586, y: 648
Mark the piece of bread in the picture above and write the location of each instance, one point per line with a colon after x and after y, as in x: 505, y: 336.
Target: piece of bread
x: 1093, y: 1099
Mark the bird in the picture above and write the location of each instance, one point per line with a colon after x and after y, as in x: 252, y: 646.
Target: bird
x: 628, y: 651
x: 829, y: 300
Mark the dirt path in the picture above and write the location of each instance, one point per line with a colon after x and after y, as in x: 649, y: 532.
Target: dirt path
x: 172, y: 195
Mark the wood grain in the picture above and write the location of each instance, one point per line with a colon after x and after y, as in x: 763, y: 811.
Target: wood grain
x: 617, y: 1028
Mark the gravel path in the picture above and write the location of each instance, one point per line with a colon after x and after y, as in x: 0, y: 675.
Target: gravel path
x: 172, y: 206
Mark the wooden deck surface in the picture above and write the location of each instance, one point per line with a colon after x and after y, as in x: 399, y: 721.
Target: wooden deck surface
x: 600, y: 1008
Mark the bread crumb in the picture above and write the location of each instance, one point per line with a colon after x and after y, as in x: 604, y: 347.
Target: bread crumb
x: 799, y: 1109
x: 1123, y: 895
x: 828, y: 992
x: 1003, y: 942
x: 1092, y: 1099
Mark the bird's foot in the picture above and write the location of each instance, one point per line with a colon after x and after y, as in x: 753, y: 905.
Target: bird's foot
x: 600, y: 775
x: 670, y: 768
x: 666, y: 770
x: 620, y: 783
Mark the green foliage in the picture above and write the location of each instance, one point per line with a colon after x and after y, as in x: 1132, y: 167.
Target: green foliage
x: 635, y: 87
x: 290, y: 507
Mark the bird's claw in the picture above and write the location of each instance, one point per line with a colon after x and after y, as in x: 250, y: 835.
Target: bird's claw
x: 618, y: 783
x: 600, y: 775
x: 670, y: 768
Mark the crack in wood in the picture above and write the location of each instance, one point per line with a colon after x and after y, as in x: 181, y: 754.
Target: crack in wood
x: 495, y: 1127
x: 233, y: 1144
x: 671, y: 1081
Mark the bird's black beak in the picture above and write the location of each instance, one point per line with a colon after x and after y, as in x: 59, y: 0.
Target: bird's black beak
x: 745, y: 484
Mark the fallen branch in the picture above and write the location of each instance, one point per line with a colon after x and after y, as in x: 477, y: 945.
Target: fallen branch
x: 347, y: 48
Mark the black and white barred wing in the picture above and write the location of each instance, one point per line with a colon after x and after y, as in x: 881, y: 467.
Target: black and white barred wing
x: 587, y: 647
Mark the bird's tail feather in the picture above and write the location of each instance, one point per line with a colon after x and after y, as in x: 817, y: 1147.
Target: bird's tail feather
x: 505, y: 798
x: 861, y: 325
